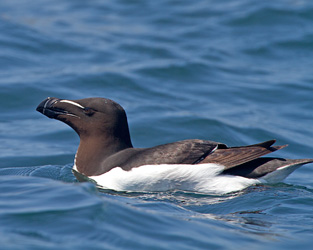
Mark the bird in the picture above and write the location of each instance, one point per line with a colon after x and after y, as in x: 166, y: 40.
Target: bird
x: 106, y: 156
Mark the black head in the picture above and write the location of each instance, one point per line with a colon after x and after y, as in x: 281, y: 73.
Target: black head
x: 90, y: 117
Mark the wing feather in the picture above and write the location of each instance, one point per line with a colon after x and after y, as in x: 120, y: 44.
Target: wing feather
x: 234, y: 156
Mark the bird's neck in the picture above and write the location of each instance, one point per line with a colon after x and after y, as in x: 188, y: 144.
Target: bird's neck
x: 93, y: 151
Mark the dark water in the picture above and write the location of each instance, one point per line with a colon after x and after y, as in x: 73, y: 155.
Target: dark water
x: 238, y: 72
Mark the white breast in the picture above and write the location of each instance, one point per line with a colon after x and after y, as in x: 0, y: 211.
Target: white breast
x: 202, y: 178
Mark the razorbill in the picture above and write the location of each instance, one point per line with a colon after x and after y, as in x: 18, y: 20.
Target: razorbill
x: 106, y: 155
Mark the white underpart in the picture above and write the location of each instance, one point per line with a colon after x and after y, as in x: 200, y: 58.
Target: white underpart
x: 73, y: 103
x: 75, y: 167
x: 202, y: 178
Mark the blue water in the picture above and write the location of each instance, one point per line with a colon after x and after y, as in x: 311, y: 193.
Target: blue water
x: 238, y: 72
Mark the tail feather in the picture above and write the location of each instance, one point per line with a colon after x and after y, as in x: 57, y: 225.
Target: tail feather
x: 266, y: 167
x: 282, y: 172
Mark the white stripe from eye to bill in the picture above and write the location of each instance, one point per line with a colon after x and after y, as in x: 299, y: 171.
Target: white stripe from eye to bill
x: 73, y: 103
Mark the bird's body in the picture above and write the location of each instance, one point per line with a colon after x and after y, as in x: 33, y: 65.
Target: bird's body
x: 107, y: 156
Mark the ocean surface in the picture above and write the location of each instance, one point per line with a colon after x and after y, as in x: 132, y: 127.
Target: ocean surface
x: 238, y: 72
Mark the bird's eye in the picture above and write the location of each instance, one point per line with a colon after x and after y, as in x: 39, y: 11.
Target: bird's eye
x: 88, y: 111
